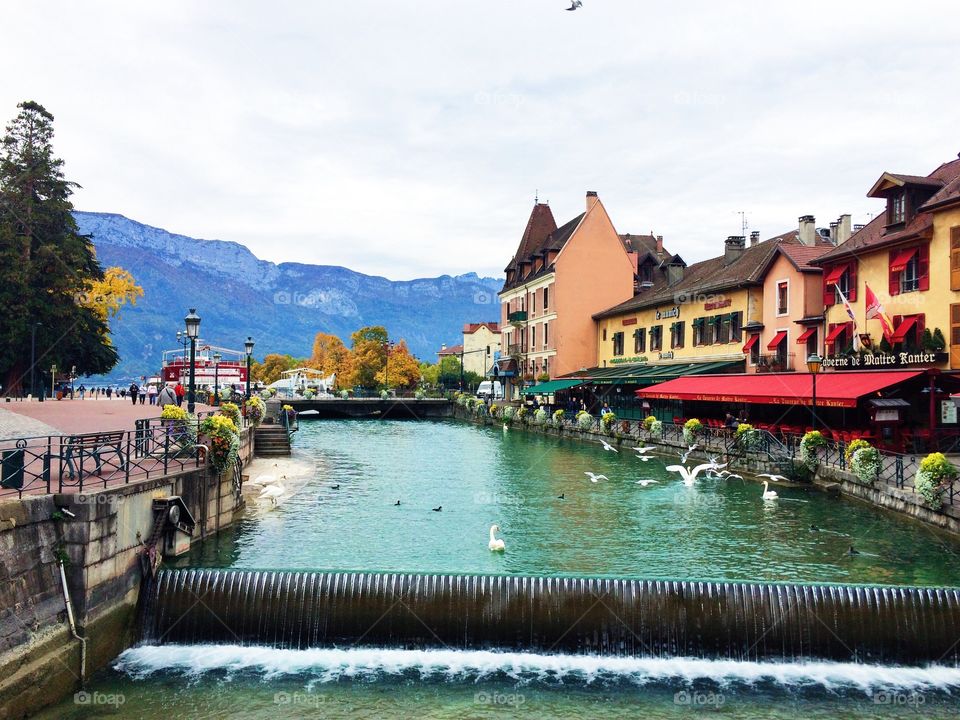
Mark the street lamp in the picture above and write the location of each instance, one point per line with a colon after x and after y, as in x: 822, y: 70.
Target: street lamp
x: 248, y: 349
x: 216, y: 378
x: 192, y: 321
x: 33, y: 357
x: 814, y: 363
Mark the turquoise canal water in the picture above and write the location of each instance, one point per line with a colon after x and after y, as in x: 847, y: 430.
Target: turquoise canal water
x: 717, y: 529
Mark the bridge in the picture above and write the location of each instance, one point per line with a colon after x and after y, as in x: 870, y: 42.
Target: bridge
x: 372, y: 408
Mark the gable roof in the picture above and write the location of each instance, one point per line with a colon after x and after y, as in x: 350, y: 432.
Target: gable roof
x: 876, y: 234
x: 801, y: 255
x: 471, y: 328
x: 537, y: 240
x: 643, y: 245
x: 452, y: 350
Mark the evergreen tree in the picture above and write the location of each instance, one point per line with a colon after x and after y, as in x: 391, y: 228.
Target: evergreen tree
x: 47, y: 264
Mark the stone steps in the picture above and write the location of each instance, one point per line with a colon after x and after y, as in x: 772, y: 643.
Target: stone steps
x: 271, y: 441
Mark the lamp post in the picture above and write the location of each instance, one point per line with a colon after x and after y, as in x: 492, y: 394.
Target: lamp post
x: 192, y: 321
x: 216, y: 378
x: 248, y: 349
x: 814, y: 363
x: 33, y: 357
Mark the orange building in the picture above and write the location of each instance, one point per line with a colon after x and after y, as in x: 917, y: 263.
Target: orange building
x: 557, y: 279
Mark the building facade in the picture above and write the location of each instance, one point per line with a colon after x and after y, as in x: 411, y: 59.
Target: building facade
x: 558, y: 278
x: 481, y: 347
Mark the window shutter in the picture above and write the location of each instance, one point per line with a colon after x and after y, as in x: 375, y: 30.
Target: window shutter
x: 829, y: 291
x: 921, y: 326
x: 894, y: 287
x: 923, y: 267
x: 852, y: 269
x: 955, y: 258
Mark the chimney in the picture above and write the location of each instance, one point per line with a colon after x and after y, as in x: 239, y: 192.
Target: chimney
x: 659, y: 245
x: 808, y: 230
x: 592, y: 199
x: 833, y: 232
x: 733, y: 248
x: 858, y: 227
x: 844, y: 229
x: 754, y: 237
x: 674, y: 274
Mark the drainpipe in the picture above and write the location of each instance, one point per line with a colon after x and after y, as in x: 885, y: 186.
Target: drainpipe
x: 203, y: 492
x: 73, y: 626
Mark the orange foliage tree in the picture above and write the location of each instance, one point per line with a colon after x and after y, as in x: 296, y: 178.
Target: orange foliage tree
x: 402, y: 370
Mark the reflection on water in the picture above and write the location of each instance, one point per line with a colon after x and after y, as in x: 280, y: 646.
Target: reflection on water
x: 717, y: 529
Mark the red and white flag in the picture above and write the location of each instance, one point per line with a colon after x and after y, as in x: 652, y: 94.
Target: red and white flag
x: 875, y: 311
x: 853, y: 319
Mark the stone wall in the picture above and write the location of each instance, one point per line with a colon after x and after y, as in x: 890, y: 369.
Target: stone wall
x: 101, y: 547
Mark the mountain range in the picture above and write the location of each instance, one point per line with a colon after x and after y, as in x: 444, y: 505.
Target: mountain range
x: 282, y: 306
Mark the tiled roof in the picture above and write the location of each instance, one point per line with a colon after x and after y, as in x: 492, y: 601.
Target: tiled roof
x: 802, y: 255
x: 539, y: 226
x: 704, y: 277
x: 452, y: 350
x: 643, y: 244
x: 535, y: 242
x: 915, y: 179
x: 471, y: 328
x: 875, y: 234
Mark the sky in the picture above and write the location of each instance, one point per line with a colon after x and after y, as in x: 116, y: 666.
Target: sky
x: 411, y: 139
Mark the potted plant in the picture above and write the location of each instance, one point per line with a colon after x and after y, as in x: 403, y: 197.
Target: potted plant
x: 231, y: 411
x: 523, y: 414
x: 256, y: 409
x: 509, y: 413
x: 810, y: 446
x: 865, y: 462
x: 609, y: 422
x: 584, y: 421
x: 223, y: 439
x: 558, y: 418
x: 691, y: 429
x: 933, y: 477
x: 852, y: 448
x: 540, y: 417
x: 543, y: 377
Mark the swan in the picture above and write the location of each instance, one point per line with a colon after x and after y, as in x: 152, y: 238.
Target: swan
x: 645, y: 448
x: 495, y: 544
x: 263, y: 480
x: 505, y: 427
x: 768, y: 494
x: 689, y: 476
x: 773, y: 478
x: 608, y: 446
x: 272, y: 492
x: 596, y: 478
x: 646, y: 481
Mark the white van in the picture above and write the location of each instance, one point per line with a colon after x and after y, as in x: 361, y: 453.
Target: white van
x: 486, y: 387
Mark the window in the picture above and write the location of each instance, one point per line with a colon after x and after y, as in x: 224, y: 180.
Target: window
x: 736, y: 326
x: 812, y: 343
x: 723, y: 328
x: 676, y: 335
x: 546, y: 365
x: 898, y: 208
x: 533, y: 338
x: 908, y: 330
x: 909, y: 278
x: 640, y: 340
x: 546, y: 299
x: 755, y: 352
x: 533, y: 302
x: 698, y: 332
x: 713, y: 330
x: 546, y: 334
x: 843, y: 276
x: 910, y: 269
x: 645, y: 273
x: 783, y: 294
x: 656, y: 338
x: 604, y: 334
x: 618, y: 343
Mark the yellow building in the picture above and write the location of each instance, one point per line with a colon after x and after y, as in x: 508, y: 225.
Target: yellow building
x: 481, y: 344
x: 907, y: 263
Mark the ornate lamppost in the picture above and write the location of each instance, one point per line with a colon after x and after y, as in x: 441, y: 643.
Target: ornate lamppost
x: 192, y: 321
x: 814, y: 363
x: 248, y: 349
x: 216, y: 378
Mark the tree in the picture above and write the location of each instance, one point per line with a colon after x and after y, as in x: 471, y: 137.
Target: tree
x: 48, y: 265
x: 273, y: 364
x: 369, y: 351
x: 402, y: 370
x: 330, y: 355
x: 108, y: 295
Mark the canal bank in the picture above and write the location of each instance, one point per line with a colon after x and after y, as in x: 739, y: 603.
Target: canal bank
x: 73, y: 565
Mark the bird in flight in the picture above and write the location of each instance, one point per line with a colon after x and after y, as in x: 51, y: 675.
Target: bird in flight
x: 644, y: 449
x: 773, y: 478
x: 608, y: 446
x: 596, y: 478
x: 646, y: 481
x: 574, y: 4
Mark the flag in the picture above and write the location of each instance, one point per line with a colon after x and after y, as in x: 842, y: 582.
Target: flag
x: 846, y: 305
x: 875, y: 311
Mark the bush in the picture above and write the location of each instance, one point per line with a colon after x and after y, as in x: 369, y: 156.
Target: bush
x: 256, y: 409
x: 656, y: 428
x: 384, y: 395
x: 648, y: 422
x: 932, y: 478
x: 540, y: 417
x: 852, y: 447
x: 420, y: 394
x: 230, y: 410
x: 509, y: 413
x: 692, y: 428
x: 344, y: 394
x: 558, y: 417
x: 523, y: 414
x: 865, y: 463
x: 609, y: 422
x: 747, y: 436
x: 809, y: 445
x: 173, y: 412
x: 939, y: 342
x: 584, y: 421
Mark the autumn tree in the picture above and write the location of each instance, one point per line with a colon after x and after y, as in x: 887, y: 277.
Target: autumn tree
x: 369, y: 355
x: 330, y: 355
x: 401, y: 369
x: 48, y: 265
x: 272, y: 366
x: 110, y: 293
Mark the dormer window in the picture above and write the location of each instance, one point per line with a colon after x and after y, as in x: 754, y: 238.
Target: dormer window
x: 645, y: 273
x: 898, y: 208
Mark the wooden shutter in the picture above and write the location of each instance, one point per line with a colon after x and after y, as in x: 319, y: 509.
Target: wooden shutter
x: 894, y: 287
x: 852, y: 270
x: 920, y: 327
x: 829, y: 292
x: 955, y: 258
x: 923, y: 267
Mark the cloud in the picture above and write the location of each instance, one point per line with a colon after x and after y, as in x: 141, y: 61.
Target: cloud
x: 409, y: 139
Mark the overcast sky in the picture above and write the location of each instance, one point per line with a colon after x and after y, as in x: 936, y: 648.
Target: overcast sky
x: 408, y: 139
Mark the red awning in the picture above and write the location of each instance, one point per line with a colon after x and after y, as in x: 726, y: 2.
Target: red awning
x: 750, y: 343
x: 807, y: 334
x: 900, y: 334
x: 902, y: 258
x: 835, y: 333
x: 834, y: 277
x: 834, y: 389
x: 777, y: 339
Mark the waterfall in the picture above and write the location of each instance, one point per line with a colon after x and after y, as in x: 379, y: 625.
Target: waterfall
x: 597, y: 616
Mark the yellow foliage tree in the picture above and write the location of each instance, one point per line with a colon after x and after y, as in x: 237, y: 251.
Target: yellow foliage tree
x: 369, y: 354
x: 330, y: 355
x: 107, y: 296
x: 273, y: 364
x: 402, y: 369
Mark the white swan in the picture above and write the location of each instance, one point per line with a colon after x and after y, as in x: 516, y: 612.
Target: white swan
x: 596, y: 478
x: 645, y: 448
x: 689, y: 476
x: 262, y: 480
x: 768, y: 494
x: 272, y: 492
x: 608, y: 446
x: 505, y: 427
x: 495, y: 544
x: 645, y: 481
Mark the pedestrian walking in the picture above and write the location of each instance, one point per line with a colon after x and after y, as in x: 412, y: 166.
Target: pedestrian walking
x: 180, y: 392
x: 167, y: 396
x: 152, y: 393
x: 82, y: 390
x: 143, y: 394
x: 109, y: 391
x: 134, y: 389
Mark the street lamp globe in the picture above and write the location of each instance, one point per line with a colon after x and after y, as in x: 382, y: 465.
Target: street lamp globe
x: 192, y: 321
x: 814, y: 363
x: 248, y: 346
x: 216, y: 359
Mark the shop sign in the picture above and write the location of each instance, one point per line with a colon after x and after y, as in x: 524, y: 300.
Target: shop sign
x: 673, y: 312
x: 629, y: 360
x: 668, y: 355
x: 948, y: 411
x: 883, y: 360
x: 717, y: 304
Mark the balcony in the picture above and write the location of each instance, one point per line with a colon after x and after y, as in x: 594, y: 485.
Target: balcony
x: 514, y: 349
x: 518, y: 316
x: 778, y: 362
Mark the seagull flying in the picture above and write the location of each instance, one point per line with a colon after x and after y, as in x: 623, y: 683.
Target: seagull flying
x: 645, y: 448
x: 574, y: 4
x: 608, y: 446
x: 644, y: 458
x: 773, y: 478
x: 684, y: 456
x: 595, y: 478
x: 646, y: 481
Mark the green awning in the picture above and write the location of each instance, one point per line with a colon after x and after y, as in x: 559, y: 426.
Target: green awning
x: 549, y: 388
x: 652, y: 373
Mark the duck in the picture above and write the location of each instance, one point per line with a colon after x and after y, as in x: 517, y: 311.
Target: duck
x: 767, y: 493
x: 335, y: 487
x: 438, y: 508
x: 397, y: 504
x: 853, y: 551
x: 495, y: 544
x: 561, y: 496
x: 814, y: 528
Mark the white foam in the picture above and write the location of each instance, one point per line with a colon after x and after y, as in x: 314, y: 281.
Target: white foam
x: 330, y: 665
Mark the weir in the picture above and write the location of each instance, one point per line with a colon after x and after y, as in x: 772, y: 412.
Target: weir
x: 620, y: 617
